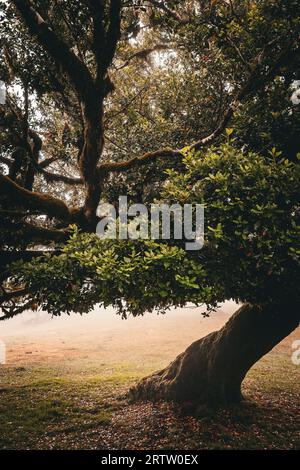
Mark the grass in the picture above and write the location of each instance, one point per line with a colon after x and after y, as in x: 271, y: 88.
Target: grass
x: 79, y: 404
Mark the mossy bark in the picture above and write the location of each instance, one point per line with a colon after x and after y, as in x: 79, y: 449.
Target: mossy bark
x: 212, y: 369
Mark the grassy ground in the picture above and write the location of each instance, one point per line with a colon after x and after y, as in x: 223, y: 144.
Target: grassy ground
x: 79, y: 404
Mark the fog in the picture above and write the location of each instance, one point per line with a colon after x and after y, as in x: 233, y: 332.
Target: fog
x: 35, y: 337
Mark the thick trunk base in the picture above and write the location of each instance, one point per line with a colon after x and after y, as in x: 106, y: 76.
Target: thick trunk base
x: 212, y: 369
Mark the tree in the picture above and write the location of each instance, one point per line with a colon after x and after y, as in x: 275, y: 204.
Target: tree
x: 84, y: 111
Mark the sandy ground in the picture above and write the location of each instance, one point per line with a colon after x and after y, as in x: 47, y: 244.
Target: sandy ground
x: 36, y: 338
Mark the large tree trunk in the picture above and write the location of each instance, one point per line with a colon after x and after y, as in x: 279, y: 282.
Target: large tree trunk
x: 212, y: 369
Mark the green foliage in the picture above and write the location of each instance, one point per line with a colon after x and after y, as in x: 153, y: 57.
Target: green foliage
x: 133, y: 276
x: 251, y: 253
x: 252, y: 216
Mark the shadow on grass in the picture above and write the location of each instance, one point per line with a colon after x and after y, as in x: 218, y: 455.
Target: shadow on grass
x: 71, y: 407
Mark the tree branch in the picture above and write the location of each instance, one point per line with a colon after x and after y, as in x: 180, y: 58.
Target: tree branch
x: 44, y: 203
x: 113, y: 32
x: 76, y: 70
x: 14, y: 311
x: 138, y: 161
x: 144, y: 53
x: 97, y: 12
x: 7, y: 161
x: 253, y: 84
x: 55, y: 177
x: 172, y: 13
x: 29, y: 233
x: 7, y: 296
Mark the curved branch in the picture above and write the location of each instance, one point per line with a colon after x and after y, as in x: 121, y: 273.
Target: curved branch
x: 47, y: 162
x: 144, y: 53
x: 30, y: 233
x: 138, y: 161
x: 43, y: 203
x: 76, y: 70
x: 52, y: 177
x: 254, y: 83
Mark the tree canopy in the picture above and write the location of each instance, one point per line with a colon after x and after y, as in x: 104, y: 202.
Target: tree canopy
x: 251, y: 251
x: 185, y: 101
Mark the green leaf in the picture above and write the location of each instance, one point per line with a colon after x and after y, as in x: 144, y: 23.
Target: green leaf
x: 229, y: 131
